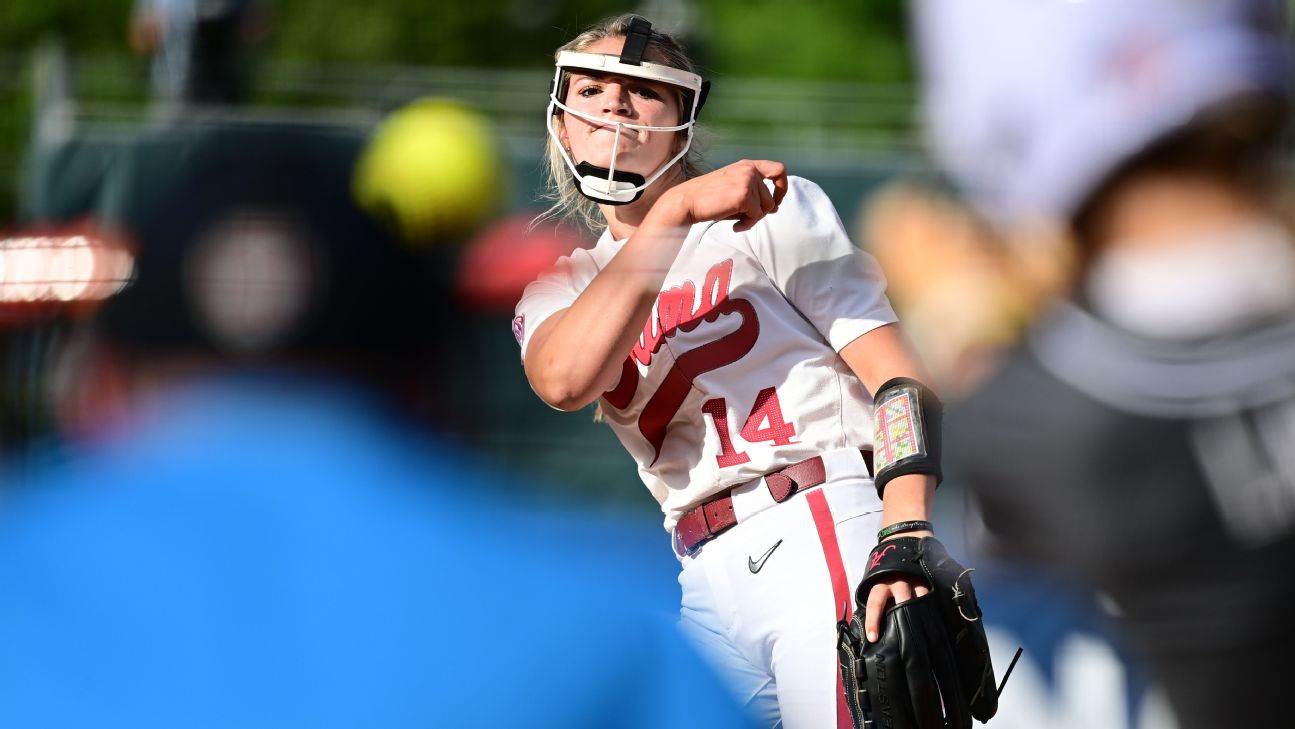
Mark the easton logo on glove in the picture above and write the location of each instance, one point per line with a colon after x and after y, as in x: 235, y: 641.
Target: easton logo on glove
x: 930, y: 668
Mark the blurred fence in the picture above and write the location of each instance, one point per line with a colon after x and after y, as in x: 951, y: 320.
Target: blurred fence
x: 823, y: 126
x: 821, y: 123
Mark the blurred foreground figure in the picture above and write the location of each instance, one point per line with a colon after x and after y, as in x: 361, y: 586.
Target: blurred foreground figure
x: 1141, y: 435
x: 252, y: 529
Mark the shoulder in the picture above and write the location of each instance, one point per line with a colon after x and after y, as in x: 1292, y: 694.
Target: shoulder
x: 806, y: 212
x: 573, y: 270
x: 592, y: 258
x: 803, y: 191
x: 805, y: 207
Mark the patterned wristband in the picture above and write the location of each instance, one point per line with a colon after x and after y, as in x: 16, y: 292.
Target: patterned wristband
x: 904, y: 527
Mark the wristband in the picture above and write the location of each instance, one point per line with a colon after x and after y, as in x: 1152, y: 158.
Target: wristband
x: 904, y: 527
x: 906, y: 431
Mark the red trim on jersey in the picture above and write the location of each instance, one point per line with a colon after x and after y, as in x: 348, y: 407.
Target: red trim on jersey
x: 664, y: 404
x: 655, y: 419
x: 826, y: 526
x: 674, y: 310
x: 622, y: 394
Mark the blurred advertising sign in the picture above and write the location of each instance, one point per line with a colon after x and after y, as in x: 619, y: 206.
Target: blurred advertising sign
x: 43, y: 270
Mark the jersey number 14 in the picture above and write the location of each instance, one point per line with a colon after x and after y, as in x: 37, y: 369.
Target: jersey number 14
x: 765, y: 423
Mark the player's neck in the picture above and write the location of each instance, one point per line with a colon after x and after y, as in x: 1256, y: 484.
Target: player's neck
x: 623, y: 220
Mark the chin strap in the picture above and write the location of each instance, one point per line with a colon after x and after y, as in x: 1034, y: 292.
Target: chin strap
x: 600, y: 184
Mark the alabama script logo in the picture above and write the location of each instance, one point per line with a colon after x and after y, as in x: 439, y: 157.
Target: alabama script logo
x: 680, y: 309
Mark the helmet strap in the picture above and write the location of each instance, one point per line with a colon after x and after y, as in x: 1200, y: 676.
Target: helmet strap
x: 636, y: 42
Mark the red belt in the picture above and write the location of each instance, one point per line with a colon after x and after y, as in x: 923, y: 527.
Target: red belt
x: 716, y: 516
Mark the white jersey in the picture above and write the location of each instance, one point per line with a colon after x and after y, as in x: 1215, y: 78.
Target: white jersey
x: 736, y: 373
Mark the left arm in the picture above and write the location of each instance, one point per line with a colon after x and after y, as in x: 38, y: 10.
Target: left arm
x: 822, y: 275
x: 876, y: 357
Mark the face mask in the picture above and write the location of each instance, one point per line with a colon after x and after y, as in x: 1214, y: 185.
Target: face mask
x: 609, y: 185
x: 1207, y: 285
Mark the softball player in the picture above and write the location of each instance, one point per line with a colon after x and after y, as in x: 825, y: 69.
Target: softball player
x: 732, y: 334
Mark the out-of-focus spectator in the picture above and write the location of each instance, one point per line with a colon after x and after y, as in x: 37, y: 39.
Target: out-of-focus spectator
x: 202, y: 50
x: 967, y: 291
x: 1140, y: 434
x: 261, y: 532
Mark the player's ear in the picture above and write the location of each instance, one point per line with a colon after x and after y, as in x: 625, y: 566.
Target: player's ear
x: 563, y: 137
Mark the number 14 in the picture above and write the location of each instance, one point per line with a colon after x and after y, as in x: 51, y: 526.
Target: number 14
x: 766, y: 408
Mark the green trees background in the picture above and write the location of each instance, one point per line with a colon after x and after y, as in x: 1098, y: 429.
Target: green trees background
x: 820, y: 40
x: 834, y: 39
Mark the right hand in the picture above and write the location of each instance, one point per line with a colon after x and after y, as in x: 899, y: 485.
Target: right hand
x: 737, y: 192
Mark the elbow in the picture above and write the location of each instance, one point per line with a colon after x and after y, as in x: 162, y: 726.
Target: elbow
x: 566, y: 401
x: 562, y: 395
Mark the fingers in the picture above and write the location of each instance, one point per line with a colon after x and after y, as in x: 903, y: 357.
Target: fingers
x: 762, y: 194
x: 767, y: 203
x: 878, y: 596
x: 744, y: 192
x: 881, y: 595
x: 775, y: 172
x: 752, y: 208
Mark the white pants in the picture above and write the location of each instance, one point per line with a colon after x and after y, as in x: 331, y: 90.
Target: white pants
x: 767, y: 619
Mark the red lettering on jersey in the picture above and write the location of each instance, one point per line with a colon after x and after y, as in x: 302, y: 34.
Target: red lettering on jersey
x: 678, y: 309
x: 675, y: 310
x: 767, y: 408
x: 649, y: 342
x: 666, y: 401
x: 714, y: 289
x: 717, y: 409
x: 675, y: 306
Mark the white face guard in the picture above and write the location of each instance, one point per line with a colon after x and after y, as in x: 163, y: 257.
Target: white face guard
x: 609, y: 185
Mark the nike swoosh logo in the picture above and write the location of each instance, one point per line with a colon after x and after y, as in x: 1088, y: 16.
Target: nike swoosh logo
x: 757, y: 566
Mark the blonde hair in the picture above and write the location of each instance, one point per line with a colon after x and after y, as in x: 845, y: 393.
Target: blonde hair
x: 559, y: 186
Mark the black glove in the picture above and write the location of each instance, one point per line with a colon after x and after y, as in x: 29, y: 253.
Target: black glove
x: 930, y: 667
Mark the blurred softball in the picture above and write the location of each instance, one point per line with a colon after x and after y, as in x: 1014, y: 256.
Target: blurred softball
x: 433, y: 169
